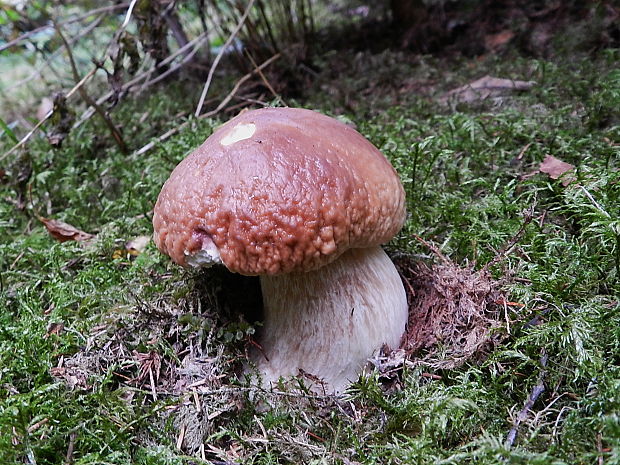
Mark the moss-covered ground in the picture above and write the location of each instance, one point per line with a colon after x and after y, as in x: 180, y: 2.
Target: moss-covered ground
x: 110, y: 356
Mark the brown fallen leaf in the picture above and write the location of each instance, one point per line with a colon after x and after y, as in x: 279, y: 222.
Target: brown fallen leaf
x: 557, y: 169
x: 54, y: 328
x: 73, y: 377
x: 484, y: 88
x: 64, y: 232
x: 495, y: 42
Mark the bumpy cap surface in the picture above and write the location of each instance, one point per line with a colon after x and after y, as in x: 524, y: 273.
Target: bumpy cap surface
x: 278, y: 190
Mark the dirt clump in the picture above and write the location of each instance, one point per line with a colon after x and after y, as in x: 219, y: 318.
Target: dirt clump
x: 457, y: 313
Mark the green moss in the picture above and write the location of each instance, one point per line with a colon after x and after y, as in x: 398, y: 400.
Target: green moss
x: 469, y: 174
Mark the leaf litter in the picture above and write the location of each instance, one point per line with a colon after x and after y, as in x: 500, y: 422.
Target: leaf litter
x: 170, y: 350
x: 455, y: 314
x: 64, y: 232
x: 558, y: 169
x: 484, y: 88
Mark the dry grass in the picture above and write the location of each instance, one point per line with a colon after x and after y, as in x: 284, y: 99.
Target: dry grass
x: 456, y: 313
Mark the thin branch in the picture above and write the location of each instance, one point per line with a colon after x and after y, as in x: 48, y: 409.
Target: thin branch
x: 88, y: 14
x: 47, y: 116
x: 186, y: 58
x: 266, y: 82
x: 161, y: 138
x: 537, y: 390
x: 219, y: 57
x: 528, y: 215
x: 197, y: 42
x: 433, y: 249
x: 222, y: 104
x: 82, y: 81
x: 238, y: 85
x: 113, y: 129
x: 55, y: 54
x: 594, y: 202
x: 128, y: 14
x: 27, y: 136
x: 70, y: 448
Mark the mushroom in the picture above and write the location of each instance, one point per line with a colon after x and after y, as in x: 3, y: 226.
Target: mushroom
x: 303, y: 201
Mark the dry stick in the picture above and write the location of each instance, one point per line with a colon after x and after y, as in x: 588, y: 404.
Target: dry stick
x: 27, y: 136
x: 70, y: 448
x: 88, y: 113
x: 219, y: 57
x: 434, y: 249
x: 78, y: 86
x: 47, y: 62
x: 189, y: 55
x: 128, y: 14
x: 528, y: 217
x: 238, y: 85
x: 27, y: 35
x: 87, y: 98
x: 47, y: 116
x: 222, y: 104
x: 599, y: 449
x: 266, y: 82
x: 537, y: 390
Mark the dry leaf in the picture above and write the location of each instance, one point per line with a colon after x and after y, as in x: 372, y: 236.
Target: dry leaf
x: 133, y: 248
x: 54, y: 328
x: 486, y: 87
x: 496, y: 41
x: 71, y: 376
x: 64, y: 232
x: 138, y: 244
x: 556, y: 169
x: 44, y: 108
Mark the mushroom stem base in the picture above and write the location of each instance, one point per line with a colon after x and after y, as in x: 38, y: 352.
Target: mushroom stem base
x: 325, y: 324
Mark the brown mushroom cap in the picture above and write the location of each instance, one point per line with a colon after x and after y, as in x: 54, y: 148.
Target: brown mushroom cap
x: 278, y: 190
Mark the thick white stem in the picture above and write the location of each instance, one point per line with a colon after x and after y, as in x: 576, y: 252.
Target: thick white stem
x: 328, y: 322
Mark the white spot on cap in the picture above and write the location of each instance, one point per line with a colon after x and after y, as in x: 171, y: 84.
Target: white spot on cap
x: 239, y: 132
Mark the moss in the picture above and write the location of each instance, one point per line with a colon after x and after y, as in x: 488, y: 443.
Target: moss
x: 469, y: 173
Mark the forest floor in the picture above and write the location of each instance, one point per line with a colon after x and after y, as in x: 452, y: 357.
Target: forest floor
x: 109, y: 353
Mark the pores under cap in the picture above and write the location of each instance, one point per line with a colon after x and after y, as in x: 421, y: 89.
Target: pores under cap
x: 278, y: 190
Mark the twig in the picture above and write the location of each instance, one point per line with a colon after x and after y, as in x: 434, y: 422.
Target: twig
x: 528, y: 216
x: 115, y: 132
x: 27, y: 136
x: 594, y: 202
x: 46, y: 117
x: 205, y: 89
x: 181, y: 437
x: 434, y: 249
x: 239, y: 83
x: 37, y: 72
x: 265, y: 81
x: 88, y: 113
x: 187, y: 57
x: 70, y: 448
x: 222, y: 104
x: 599, y: 448
x: 523, y: 150
x: 128, y: 14
x: 161, y: 138
x: 88, y: 14
x: 537, y: 390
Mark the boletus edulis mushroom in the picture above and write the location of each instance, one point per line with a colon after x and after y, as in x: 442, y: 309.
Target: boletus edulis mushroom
x: 303, y: 201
